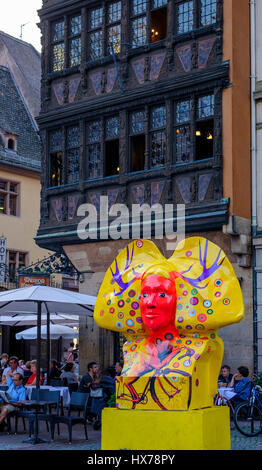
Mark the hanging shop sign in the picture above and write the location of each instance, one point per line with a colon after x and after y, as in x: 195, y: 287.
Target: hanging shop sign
x: 2, y: 258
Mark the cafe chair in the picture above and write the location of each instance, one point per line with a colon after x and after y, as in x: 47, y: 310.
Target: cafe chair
x: 19, y: 413
x: 56, y: 383
x: 73, y: 387
x: 47, y: 414
x: 78, y: 401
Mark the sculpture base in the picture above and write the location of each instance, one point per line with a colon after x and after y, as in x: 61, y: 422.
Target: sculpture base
x: 205, y: 429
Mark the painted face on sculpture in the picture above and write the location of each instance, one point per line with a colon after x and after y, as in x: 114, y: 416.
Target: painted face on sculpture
x: 158, y: 302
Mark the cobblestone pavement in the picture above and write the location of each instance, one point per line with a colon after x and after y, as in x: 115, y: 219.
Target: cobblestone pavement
x: 15, y: 441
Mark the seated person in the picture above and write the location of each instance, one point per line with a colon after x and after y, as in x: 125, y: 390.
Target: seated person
x: 225, y: 377
x: 118, y: 367
x: 241, y: 384
x: 55, y: 372
x: 69, y: 373
x: 107, y: 383
x: 27, y: 370
x: 32, y: 378
x: 88, y: 378
x: 17, y: 392
x: 13, y: 368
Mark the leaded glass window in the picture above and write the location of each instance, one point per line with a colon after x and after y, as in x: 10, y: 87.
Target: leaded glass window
x: 194, y: 128
x: 114, y: 39
x: 112, y: 128
x: 183, y: 109
x: 73, y: 153
x: 205, y: 127
x: 138, y: 7
x: 94, y: 149
x: 56, y: 157
x: 96, y: 18
x: 138, y: 122
x: 185, y: 17
x: 158, y: 117
x: 137, y: 140
x: 96, y: 33
x: 75, y: 26
x: 208, y: 12
x: 183, y: 143
x: 183, y: 131
x: 58, y: 47
x: 158, y: 136
x: 139, y: 23
x: 75, y: 41
x: 205, y: 106
x: 114, y: 12
x: 114, y: 28
x: 159, y: 3
x: 96, y: 45
x: 55, y: 141
x: 58, y: 31
x: 139, y: 32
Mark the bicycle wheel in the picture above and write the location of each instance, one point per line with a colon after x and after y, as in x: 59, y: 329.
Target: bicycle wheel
x: 248, y: 419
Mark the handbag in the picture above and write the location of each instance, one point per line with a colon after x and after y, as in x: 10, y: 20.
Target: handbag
x: 96, y: 392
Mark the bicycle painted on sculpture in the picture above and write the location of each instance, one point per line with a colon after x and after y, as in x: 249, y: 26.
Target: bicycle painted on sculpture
x: 150, y: 388
x: 248, y: 414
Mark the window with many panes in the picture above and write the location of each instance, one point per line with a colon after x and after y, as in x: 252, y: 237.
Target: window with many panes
x: 58, y: 45
x: 75, y: 41
x: 137, y: 140
x: 148, y: 24
x: 143, y: 14
x: 114, y: 28
x: 9, y: 198
x: 103, y: 147
x: 61, y: 43
x: 15, y: 260
x: 187, y: 18
x: 72, y: 154
x: 194, y: 128
x: 56, y: 157
x: 95, y: 19
x: 147, y: 138
x: 158, y: 136
x: 112, y: 146
x: 94, y: 157
x: 104, y: 30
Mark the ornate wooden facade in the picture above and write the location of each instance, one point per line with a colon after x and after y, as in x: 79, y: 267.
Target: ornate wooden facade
x: 132, y: 109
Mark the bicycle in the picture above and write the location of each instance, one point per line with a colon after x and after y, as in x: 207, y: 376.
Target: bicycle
x: 248, y: 414
x: 152, y: 388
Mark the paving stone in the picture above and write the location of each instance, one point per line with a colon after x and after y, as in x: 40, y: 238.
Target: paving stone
x: 15, y: 441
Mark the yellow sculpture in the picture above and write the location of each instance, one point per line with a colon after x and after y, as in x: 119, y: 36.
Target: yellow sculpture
x: 169, y: 310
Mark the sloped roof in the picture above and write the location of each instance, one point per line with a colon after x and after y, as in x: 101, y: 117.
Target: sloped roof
x: 24, y: 62
x: 15, y: 119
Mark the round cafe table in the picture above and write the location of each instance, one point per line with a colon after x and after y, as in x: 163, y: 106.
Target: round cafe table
x: 226, y: 392
x: 35, y: 406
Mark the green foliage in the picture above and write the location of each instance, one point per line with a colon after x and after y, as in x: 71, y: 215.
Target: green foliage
x: 258, y: 381
x: 112, y: 401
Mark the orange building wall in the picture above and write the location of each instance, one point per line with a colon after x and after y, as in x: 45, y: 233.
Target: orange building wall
x: 236, y: 108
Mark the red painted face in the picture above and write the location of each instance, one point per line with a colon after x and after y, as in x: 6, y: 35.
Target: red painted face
x: 158, y: 302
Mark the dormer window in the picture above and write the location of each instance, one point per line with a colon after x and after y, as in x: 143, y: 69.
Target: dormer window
x: 11, y: 144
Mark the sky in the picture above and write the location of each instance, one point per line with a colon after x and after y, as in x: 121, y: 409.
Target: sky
x: 15, y: 13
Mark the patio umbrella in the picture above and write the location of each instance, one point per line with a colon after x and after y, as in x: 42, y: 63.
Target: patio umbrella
x: 46, y: 300
x: 55, y: 332
x: 27, y: 320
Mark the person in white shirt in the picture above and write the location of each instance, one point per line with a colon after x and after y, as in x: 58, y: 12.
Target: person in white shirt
x: 12, y: 369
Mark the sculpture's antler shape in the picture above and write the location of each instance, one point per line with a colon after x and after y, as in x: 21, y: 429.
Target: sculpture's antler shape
x: 207, y: 272
x: 117, y: 276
